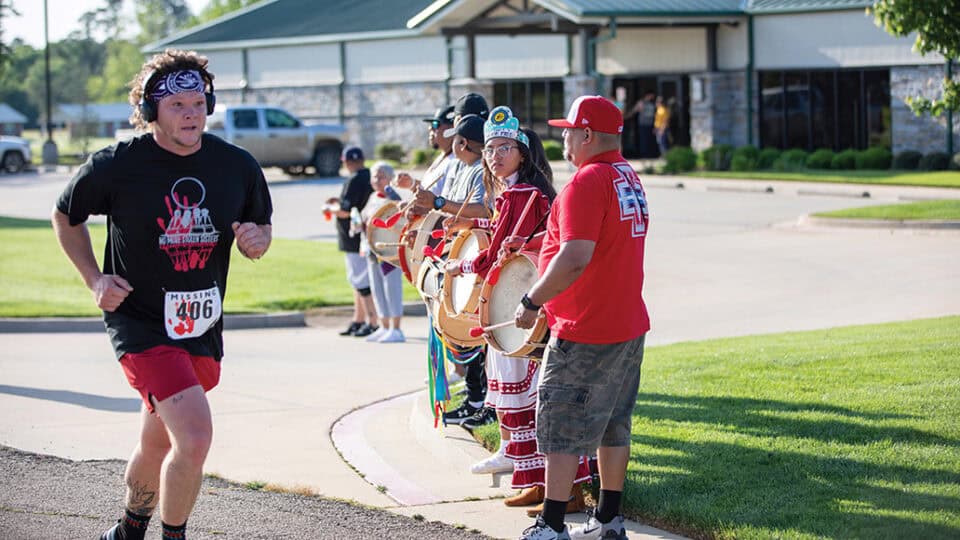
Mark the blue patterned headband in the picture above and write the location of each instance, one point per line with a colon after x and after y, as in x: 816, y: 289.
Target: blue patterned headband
x: 177, y: 82
x: 503, y: 123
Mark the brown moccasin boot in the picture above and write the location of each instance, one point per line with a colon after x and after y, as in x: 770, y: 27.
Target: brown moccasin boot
x: 530, y: 495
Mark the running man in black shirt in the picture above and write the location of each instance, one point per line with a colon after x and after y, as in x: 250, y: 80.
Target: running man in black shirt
x: 175, y: 200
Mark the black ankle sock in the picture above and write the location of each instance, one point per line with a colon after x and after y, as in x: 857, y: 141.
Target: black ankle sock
x: 553, y: 513
x: 174, y: 532
x: 130, y: 527
x: 609, y: 505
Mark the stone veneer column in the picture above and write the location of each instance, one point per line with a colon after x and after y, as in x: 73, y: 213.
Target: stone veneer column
x: 459, y: 87
x: 923, y: 133
x: 718, y: 110
x: 575, y: 86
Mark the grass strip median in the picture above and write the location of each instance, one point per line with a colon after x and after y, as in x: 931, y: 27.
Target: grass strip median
x: 947, y: 179
x: 39, y: 280
x: 922, y: 210
x: 842, y: 433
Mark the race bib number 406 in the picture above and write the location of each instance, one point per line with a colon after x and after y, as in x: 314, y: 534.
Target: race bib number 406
x: 191, y: 314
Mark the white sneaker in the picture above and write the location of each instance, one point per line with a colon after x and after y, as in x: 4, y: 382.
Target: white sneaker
x: 377, y: 334
x: 593, y: 529
x: 541, y: 531
x: 497, y: 463
x: 394, y: 335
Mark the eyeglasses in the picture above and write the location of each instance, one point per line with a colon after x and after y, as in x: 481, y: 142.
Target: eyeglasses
x: 503, y: 150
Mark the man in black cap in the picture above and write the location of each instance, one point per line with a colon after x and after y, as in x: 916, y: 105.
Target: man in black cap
x: 353, y: 197
x: 443, y: 167
x: 467, y: 147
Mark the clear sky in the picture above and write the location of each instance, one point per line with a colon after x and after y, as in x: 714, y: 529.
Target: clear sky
x: 63, y: 18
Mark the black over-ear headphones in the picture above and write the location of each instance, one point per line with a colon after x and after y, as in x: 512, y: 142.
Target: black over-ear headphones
x: 148, y: 109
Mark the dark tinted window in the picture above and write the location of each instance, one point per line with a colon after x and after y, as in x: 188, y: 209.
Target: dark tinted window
x: 245, y: 119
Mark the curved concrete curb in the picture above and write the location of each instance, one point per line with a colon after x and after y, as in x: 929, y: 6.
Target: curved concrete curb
x: 95, y: 324
x: 880, y: 223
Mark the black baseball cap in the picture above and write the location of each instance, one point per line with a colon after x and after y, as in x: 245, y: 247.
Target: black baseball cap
x: 351, y: 153
x: 444, y: 115
x: 470, y: 127
x: 472, y: 103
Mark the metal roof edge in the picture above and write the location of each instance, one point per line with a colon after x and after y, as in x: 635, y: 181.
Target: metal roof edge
x: 428, y: 12
x: 298, y: 40
x: 161, y: 44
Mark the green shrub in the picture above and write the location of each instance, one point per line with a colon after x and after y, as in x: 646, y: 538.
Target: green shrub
x: 768, y: 156
x: 875, y: 157
x: 422, y: 156
x: 680, y: 159
x: 820, y: 159
x: 845, y: 161
x: 717, y: 157
x: 389, y: 151
x: 791, y: 160
x: 908, y: 160
x: 553, y: 150
x: 745, y: 158
x: 935, y: 161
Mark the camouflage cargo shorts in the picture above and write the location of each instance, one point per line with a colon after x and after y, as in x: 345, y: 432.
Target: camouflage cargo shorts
x: 586, y: 395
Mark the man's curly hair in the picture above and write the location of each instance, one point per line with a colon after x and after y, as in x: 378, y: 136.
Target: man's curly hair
x: 166, y: 62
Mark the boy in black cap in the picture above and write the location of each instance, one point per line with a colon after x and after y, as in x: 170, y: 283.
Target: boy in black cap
x: 355, y: 193
x: 471, y: 103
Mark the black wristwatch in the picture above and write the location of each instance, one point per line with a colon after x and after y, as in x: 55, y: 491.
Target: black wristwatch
x: 528, y: 304
x: 438, y: 203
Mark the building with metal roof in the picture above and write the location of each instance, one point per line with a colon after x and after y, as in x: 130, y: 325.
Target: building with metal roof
x: 774, y: 73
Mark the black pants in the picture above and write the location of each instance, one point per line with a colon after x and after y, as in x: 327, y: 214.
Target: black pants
x: 475, y: 377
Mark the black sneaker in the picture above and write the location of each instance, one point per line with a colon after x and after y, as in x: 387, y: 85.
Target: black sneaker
x: 486, y: 415
x: 460, y: 414
x: 365, y: 330
x: 354, y: 326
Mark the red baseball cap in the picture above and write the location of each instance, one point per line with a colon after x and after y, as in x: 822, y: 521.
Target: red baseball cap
x: 595, y: 112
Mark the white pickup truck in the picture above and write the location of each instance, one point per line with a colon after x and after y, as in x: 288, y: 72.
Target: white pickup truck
x: 278, y: 139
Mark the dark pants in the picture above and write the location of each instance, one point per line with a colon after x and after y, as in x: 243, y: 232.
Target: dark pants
x: 646, y: 142
x: 475, y: 377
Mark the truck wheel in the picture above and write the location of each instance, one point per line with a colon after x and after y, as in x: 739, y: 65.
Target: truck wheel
x: 326, y: 160
x: 13, y: 162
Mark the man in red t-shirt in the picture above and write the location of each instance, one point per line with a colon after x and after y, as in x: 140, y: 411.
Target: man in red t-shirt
x: 590, y: 288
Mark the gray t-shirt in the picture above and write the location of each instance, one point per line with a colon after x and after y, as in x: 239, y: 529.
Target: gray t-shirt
x: 468, y: 179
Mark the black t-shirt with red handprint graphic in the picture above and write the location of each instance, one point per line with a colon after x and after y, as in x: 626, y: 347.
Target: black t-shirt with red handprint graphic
x: 169, y: 220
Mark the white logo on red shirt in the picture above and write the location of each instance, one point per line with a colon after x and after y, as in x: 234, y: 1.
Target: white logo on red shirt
x: 633, y: 201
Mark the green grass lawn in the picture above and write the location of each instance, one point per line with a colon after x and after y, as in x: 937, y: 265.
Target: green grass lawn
x: 39, y: 280
x: 69, y: 150
x: 841, y: 433
x: 950, y: 179
x: 934, y: 210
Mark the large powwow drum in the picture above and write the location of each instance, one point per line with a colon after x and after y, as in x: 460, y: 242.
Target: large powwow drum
x: 411, y: 254
x: 455, y: 330
x: 461, y: 293
x: 506, y: 284
x: 383, y: 232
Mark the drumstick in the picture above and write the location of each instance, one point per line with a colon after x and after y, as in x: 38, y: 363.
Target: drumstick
x: 381, y: 245
x: 523, y: 215
x: 478, y: 331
